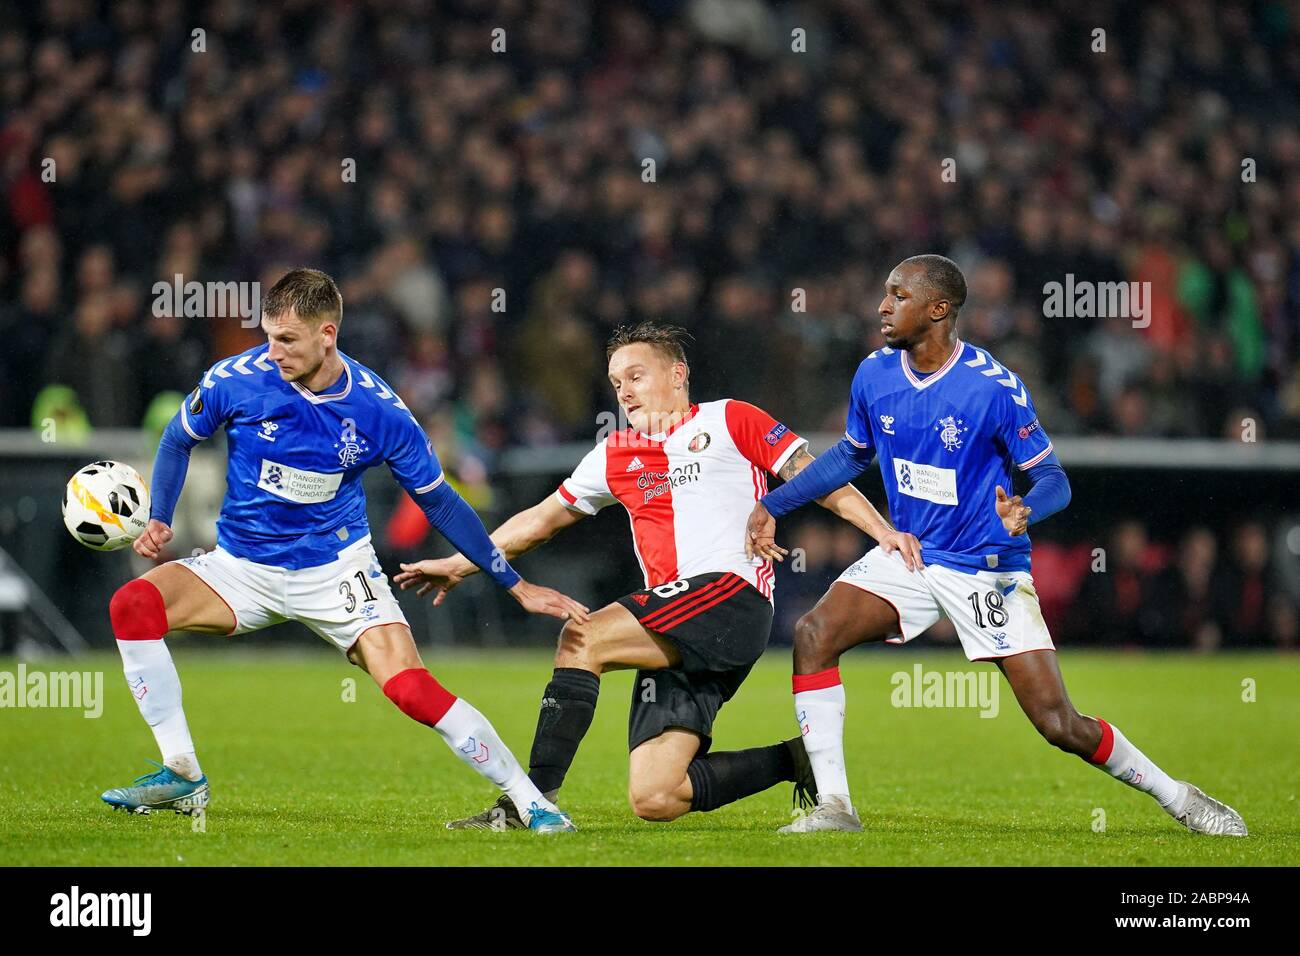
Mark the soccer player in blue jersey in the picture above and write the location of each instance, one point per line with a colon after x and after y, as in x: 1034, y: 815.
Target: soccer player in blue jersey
x: 948, y: 425
x: 303, y: 423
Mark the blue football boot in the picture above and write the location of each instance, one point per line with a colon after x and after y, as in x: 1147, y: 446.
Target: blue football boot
x: 160, y: 790
x: 549, y: 821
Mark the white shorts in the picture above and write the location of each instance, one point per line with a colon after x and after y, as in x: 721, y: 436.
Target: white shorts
x: 995, y: 613
x: 338, y: 601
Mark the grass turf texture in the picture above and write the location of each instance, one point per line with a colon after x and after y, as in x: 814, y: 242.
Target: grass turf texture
x: 302, y: 777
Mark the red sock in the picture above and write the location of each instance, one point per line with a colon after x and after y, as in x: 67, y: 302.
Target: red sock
x: 138, y: 612
x: 819, y: 681
x: 419, y: 696
x: 1107, y: 744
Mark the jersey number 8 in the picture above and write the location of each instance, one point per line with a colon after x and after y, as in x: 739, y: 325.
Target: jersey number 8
x: 671, y: 588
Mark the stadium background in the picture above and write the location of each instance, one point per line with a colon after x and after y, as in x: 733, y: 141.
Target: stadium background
x: 776, y: 172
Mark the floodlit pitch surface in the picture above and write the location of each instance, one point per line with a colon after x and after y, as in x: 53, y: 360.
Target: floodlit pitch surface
x: 302, y: 775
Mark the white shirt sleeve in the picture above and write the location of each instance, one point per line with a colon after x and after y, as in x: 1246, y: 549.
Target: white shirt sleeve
x: 587, y: 489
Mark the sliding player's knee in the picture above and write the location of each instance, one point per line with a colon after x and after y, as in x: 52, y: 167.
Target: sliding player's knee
x: 575, y: 645
x: 655, y: 804
x: 138, y: 612
x: 814, y: 642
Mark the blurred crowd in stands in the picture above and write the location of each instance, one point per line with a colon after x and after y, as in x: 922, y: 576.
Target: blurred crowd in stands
x: 496, y: 184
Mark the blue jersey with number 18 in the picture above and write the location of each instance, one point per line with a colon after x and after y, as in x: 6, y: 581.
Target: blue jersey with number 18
x: 293, y: 481
x: 945, y: 441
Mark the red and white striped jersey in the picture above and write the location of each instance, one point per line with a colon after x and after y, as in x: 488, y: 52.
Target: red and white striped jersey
x: 689, y: 490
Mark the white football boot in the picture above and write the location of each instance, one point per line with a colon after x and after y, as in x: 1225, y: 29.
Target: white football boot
x: 831, y: 813
x: 1201, y: 813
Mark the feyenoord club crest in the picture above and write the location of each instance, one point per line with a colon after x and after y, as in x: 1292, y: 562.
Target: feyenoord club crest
x: 699, y: 442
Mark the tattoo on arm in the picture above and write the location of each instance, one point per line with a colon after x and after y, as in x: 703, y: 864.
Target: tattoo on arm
x: 795, y: 464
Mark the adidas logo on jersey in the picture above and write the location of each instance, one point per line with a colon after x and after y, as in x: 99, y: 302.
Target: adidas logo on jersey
x: 641, y: 599
x: 635, y: 464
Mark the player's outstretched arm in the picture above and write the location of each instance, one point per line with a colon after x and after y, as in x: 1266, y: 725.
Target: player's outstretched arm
x: 855, y: 508
x: 845, y: 502
x: 819, y: 478
x: 517, y: 535
x: 169, y: 469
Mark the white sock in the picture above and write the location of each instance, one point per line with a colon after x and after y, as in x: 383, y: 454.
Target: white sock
x: 820, y: 713
x: 152, y: 679
x: 469, y: 734
x: 1129, y: 765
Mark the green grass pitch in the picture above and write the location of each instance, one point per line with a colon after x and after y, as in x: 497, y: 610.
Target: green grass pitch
x: 300, y: 776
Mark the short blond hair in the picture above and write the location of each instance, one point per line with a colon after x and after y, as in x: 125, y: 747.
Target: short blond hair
x: 667, y: 339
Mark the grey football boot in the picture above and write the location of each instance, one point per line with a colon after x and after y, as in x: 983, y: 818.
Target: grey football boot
x: 1201, y: 813
x: 831, y: 813
x: 502, y: 815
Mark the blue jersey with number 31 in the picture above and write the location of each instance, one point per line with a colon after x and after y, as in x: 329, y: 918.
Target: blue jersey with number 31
x: 945, y: 441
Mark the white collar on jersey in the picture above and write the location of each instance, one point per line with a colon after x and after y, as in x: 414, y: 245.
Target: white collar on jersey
x: 663, y: 436
x: 935, y: 375
x: 319, y: 399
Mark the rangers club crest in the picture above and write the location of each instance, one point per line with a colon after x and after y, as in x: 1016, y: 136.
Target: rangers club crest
x: 950, y: 430
x: 350, y: 446
x: 699, y: 442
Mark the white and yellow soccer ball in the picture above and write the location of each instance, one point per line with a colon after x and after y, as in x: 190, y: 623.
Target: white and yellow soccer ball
x: 106, y: 505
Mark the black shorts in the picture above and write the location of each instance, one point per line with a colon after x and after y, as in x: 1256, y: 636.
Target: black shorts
x: 720, y: 624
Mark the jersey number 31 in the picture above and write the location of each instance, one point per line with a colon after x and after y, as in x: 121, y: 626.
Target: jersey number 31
x: 345, y: 588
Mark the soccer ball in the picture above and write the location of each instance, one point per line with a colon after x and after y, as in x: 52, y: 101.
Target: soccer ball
x: 106, y: 505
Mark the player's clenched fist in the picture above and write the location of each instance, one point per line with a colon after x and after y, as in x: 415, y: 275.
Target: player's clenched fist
x: 151, y: 542
x: 1013, y: 512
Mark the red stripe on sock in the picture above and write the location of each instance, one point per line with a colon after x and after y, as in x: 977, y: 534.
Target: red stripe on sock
x: 1107, y: 743
x: 419, y: 696
x: 819, y: 681
x: 138, y: 612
